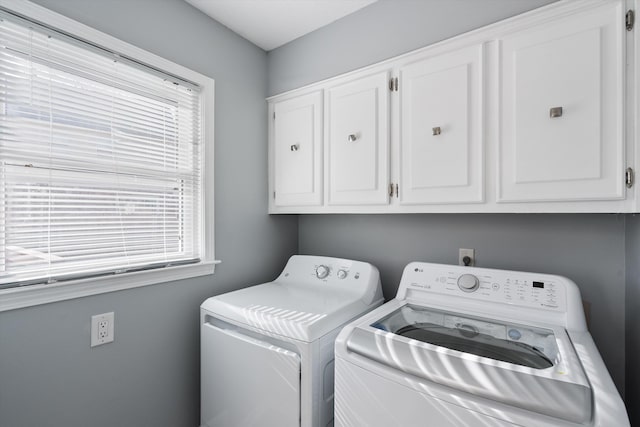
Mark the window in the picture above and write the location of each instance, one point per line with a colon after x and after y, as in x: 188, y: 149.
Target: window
x: 101, y: 160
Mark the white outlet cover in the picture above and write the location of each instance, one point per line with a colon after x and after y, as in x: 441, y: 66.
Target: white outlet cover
x: 102, y: 329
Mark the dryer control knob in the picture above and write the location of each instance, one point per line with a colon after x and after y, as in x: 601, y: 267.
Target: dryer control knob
x: 468, y: 282
x: 342, y: 274
x: 322, y: 271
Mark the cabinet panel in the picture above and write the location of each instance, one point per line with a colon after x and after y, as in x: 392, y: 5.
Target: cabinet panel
x: 298, y: 151
x: 562, y: 128
x: 441, y: 129
x: 358, y: 144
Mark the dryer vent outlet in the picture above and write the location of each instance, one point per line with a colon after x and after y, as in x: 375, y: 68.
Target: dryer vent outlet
x: 467, y: 257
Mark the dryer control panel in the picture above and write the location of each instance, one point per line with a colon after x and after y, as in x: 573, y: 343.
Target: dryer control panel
x: 539, y: 291
x: 342, y: 274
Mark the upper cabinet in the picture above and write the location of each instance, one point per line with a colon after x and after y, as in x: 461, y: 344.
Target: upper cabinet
x: 562, y: 116
x: 537, y: 113
x: 297, y: 150
x: 441, y: 132
x: 358, y: 141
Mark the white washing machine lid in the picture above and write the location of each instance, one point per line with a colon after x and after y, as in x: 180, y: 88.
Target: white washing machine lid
x: 305, y: 313
x: 538, y: 371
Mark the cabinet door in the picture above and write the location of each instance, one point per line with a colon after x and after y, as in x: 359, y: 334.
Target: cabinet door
x: 562, y: 112
x: 441, y: 132
x: 358, y: 144
x: 298, y: 151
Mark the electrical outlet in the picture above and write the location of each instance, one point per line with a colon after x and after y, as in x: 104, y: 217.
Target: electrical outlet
x: 471, y: 253
x: 101, y: 329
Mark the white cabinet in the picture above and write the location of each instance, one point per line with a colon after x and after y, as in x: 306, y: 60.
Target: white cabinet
x: 297, y: 151
x: 358, y: 141
x: 538, y: 113
x: 441, y: 132
x: 562, y: 113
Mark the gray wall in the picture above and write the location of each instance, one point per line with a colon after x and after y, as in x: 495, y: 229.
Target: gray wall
x: 380, y: 31
x: 150, y: 375
x: 589, y: 249
x: 633, y: 316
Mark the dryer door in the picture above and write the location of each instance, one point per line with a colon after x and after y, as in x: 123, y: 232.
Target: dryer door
x: 247, y: 381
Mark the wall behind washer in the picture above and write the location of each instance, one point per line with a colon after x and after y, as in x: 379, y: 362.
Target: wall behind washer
x: 380, y: 31
x: 150, y: 374
x: 587, y: 248
x: 632, y: 311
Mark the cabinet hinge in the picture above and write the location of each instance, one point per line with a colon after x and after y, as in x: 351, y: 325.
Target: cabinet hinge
x: 629, y: 177
x: 393, y: 190
x: 630, y: 19
x: 393, y: 84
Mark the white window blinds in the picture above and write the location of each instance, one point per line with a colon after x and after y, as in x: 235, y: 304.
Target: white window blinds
x: 99, y: 161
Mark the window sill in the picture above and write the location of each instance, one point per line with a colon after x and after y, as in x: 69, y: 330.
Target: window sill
x: 14, y: 298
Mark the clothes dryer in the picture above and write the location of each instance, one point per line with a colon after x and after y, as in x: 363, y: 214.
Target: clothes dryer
x: 267, y: 351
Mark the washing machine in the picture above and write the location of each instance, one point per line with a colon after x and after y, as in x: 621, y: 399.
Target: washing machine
x: 267, y: 351
x: 466, y: 346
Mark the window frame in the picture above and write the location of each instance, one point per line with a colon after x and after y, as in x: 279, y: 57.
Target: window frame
x: 19, y: 297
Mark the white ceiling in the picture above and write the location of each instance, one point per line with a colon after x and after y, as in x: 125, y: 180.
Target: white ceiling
x: 272, y: 23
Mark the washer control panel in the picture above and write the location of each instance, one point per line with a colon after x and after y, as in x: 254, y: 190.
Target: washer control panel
x: 540, y: 291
